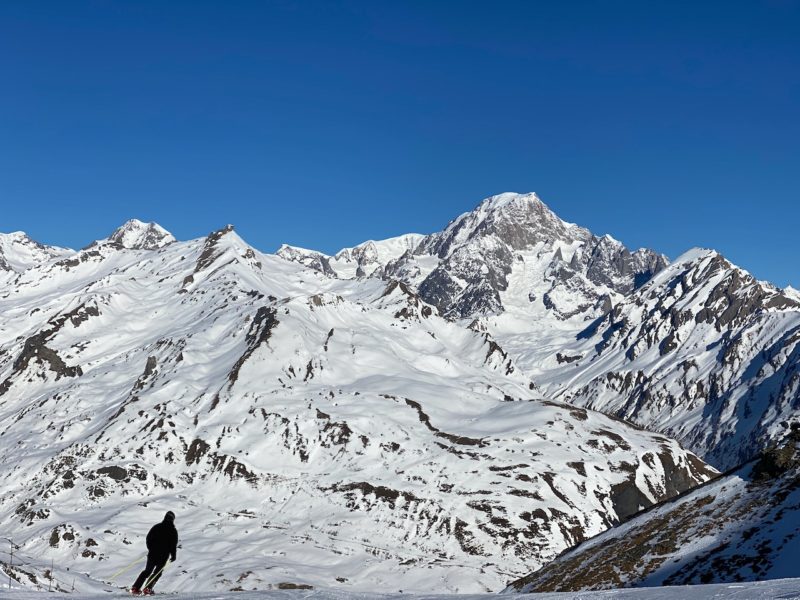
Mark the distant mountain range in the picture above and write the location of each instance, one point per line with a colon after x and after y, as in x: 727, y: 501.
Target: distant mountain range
x: 696, y: 348
x: 421, y: 413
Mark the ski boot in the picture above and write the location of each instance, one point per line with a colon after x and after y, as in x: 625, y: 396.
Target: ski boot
x: 147, y: 591
x: 136, y: 591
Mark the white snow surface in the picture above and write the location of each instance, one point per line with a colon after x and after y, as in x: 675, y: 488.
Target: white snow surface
x: 304, y: 428
x: 372, y: 255
x: 792, y: 292
x: 782, y: 589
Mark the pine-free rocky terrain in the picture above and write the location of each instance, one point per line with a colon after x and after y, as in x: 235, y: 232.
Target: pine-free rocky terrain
x: 743, y: 526
x: 445, y: 413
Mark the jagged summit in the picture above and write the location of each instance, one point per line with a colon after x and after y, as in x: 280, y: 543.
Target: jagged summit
x: 518, y: 220
x: 465, y: 269
x: 703, y: 352
x: 365, y: 259
x: 135, y: 234
x: 370, y: 257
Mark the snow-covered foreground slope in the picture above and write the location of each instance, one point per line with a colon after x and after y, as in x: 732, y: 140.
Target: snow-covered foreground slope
x: 784, y: 589
x: 744, y: 526
x: 304, y: 428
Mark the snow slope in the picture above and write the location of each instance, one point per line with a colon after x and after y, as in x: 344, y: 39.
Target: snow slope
x: 304, y: 428
x: 784, y: 589
x: 744, y: 526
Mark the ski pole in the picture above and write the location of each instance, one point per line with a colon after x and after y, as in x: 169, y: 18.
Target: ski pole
x: 123, y: 569
x: 155, y: 576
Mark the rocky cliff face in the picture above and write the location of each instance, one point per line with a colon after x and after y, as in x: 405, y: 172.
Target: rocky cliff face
x: 304, y: 428
x: 478, y: 252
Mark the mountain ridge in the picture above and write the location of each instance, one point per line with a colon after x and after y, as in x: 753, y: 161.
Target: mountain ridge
x: 457, y: 396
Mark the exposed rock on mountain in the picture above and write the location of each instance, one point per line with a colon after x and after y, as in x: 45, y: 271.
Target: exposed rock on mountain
x: 141, y: 236
x: 480, y: 250
x: 740, y: 527
x: 371, y: 257
x: 308, y: 258
x: 367, y: 259
x: 465, y: 269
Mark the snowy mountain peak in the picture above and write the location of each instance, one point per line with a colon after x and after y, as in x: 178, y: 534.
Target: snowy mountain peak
x: 18, y: 252
x: 381, y: 250
x: 505, y: 199
x: 518, y: 220
x: 610, y: 241
x: 370, y: 257
x: 138, y: 235
x: 696, y: 254
x: 289, y: 252
x: 308, y: 258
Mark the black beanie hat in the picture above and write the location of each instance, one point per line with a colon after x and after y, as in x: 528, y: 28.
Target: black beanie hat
x: 170, y: 516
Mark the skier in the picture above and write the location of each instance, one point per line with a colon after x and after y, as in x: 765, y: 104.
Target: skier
x: 162, y: 544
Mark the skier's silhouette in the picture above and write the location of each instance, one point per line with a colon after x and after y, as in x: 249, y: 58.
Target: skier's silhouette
x: 162, y: 544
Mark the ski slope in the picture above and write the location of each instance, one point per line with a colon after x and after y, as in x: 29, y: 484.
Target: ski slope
x: 784, y: 589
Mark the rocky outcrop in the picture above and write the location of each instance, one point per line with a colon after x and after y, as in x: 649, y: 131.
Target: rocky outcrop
x: 739, y: 527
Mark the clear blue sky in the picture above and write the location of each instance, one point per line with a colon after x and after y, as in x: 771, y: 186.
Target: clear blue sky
x: 321, y: 124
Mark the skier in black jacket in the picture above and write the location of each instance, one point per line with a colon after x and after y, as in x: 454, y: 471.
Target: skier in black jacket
x: 162, y: 544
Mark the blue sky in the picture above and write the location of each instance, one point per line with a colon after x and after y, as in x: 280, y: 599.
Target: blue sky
x: 322, y: 124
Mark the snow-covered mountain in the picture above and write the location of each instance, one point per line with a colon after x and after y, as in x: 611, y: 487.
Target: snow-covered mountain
x: 18, y: 252
x: 703, y: 352
x: 700, y: 350
x: 740, y: 527
x: 304, y: 428
x: 416, y: 413
x: 142, y: 236
x: 368, y: 258
x: 467, y: 269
